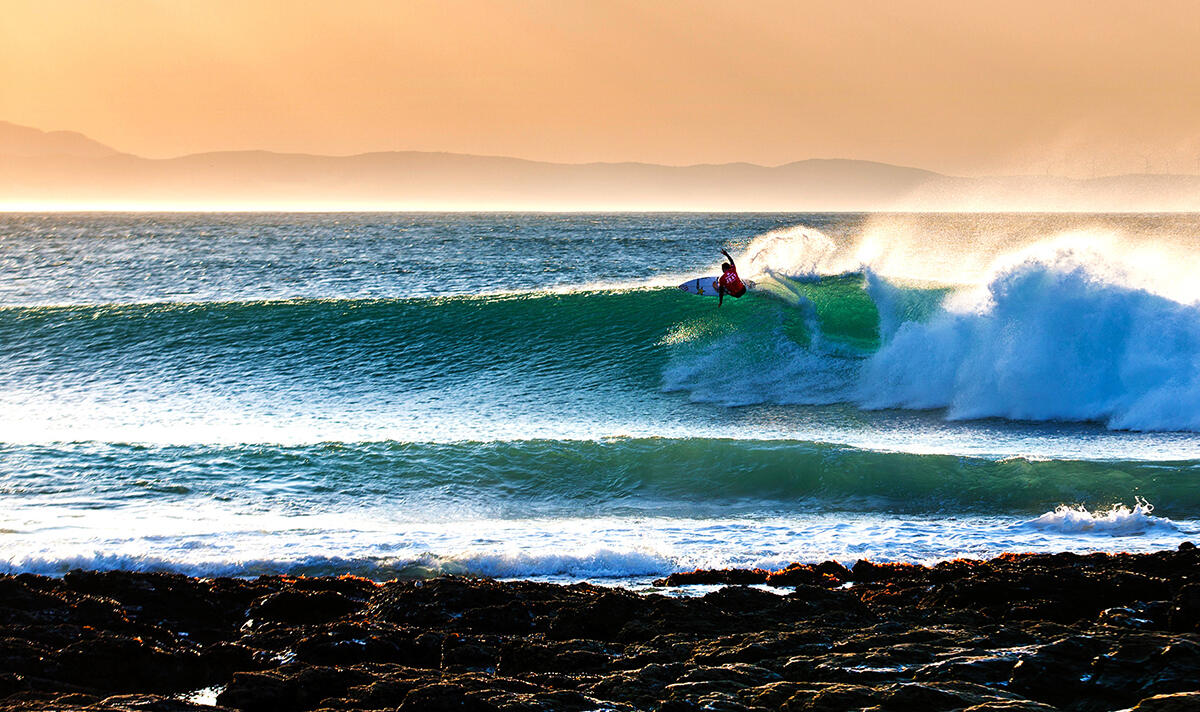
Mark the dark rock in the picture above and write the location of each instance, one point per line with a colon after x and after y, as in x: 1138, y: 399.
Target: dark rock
x: 865, y: 571
x: 445, y: 698
x: 917, y: 696
x: 298, y: 606
x: 1011, y: 706
x: 388, y: 692
x: 469, y: 653
x: 110, y: 662
x: 734, y: 577
x: 772, y: 695
x: 799, y: 574
x: 989, y: 670
x: 148, y: 703
x: 508, y: 618
x: 1018, y: 633
x: 1055, y: 673
x: 567, y: 656
x: 601, y: 617
x: 834, y: 698
x: 739, y: 599
x: 1177, y: 702
x: 294, y: 687
x: 1184, y: 614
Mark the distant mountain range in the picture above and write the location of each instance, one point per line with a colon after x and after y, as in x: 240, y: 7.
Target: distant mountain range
x: 62, y: 169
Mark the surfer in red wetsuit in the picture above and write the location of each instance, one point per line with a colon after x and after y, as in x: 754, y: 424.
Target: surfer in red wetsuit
x: 729, y: 282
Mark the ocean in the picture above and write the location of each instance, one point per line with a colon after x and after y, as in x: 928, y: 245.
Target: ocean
x: 529, y: 395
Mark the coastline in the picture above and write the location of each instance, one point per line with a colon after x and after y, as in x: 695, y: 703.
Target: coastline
x: 1018, y: 632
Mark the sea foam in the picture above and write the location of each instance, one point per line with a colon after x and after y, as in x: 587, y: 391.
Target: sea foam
x: 1118, y: 520
x: 1059, y: 334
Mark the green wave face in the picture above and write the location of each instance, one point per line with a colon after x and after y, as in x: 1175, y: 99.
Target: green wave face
x: 650, y: 476
x: 585, y: 337
x: 845, y: 312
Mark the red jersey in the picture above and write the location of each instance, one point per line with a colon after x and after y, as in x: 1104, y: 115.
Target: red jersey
x: 732, y: 285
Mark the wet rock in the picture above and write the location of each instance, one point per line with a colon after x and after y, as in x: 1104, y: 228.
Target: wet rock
x: 934, y: 697
x: 772, y: 695
x: 470, y: 653
x: 867, y: 572
x: 1177, y: 702
x: 1056, y: 673
x: 512, y: 617
x: 571, y: 655
x: 151, y: 703
x: 1019, y: 632
x: 1139, y: 615
x: 732, y: 577
x: 444, y: 697
x: 600, y: 617
x: 110, y: 662
x: 700, y: 688
x: 1011, y: 706
x: 740, y: 599
x: 984, y: 670
x: 825, y: 575
x: 299, y: 606
x: 748, y: 675
x: 1176, y: 668
x: 643, y: 687
x: 294, y: 687
x: 1184, y: 614
x: 834, y: 698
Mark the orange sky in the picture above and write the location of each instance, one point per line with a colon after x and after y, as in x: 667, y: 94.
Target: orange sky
x: 1080, y: 88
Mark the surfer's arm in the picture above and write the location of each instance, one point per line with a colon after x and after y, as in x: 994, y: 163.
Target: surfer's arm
x: 720, y: 295
x: 731, y: 263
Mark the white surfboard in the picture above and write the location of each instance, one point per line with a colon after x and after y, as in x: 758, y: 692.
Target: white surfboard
x: 707, y: 286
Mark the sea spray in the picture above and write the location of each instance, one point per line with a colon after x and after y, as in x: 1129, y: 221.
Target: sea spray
x: 1056, y: 336
x: 1117, y: 520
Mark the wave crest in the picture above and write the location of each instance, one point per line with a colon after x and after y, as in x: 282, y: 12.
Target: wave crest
x: 1059, y: 335
x: 1118, y: 520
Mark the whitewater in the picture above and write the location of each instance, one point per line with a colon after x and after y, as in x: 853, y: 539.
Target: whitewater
x: 528, y: 395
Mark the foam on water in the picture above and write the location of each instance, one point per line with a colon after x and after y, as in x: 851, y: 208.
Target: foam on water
x: 578, y: 548
x: 1060, y: 333
x: 1118, y: 520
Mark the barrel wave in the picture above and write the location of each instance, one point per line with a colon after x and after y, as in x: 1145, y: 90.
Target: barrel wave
x: 1056, y: 336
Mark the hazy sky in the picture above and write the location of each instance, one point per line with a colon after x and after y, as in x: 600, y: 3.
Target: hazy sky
x: 1082, y: 88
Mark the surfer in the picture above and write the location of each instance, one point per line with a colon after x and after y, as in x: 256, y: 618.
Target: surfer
x: 729, y: 282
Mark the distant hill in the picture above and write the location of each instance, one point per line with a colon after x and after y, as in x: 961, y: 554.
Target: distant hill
x: 68, y: 170
x: 24, y: 141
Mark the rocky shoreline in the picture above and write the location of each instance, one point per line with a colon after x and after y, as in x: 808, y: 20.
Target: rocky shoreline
x: 1019, y: 632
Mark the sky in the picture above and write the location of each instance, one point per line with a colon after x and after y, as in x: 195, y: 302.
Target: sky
x: 965, y: 88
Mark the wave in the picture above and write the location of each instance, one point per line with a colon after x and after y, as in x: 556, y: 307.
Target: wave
x: 570, y: 548
x: 1058, y: 332
x: 596, y: 563
x: 674, y: 477
x: 1117, y: 520
x: 1079, y: 328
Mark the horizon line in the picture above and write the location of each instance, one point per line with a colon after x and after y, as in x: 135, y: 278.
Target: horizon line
x: 625, y: 162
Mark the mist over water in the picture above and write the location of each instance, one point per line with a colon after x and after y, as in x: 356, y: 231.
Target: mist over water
x: 528, y: 395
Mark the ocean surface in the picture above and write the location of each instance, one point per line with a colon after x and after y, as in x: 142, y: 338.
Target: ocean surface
x: 529, y: 395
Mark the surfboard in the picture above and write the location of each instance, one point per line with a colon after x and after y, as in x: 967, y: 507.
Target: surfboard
x: 707, y: 286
